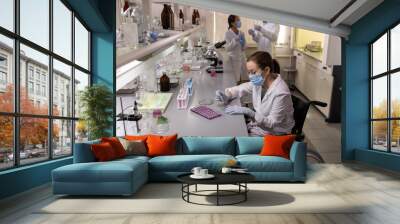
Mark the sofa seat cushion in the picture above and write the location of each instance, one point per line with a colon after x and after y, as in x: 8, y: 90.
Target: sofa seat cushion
x: 112, y: 171
x: 133, y: 157
x: 206, y: 145
x: 257, y: 163
x: 185, y: 163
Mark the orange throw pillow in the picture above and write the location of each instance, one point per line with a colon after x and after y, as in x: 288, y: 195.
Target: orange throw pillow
x: 136, y: 137
x: 103, y: 152
x: 161, y: 145
x: 116, y: 145
x: 277, y: 145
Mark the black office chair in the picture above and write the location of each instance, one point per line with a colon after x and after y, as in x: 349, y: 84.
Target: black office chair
x: 300, y: 113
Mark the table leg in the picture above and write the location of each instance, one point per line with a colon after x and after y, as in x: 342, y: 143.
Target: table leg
x: 245, y: 193
x: 196, y: 187
x: 217, y: 194
x: 188, y: 190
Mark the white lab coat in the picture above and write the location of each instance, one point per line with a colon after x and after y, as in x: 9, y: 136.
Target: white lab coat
x: 236, y: 58
x: 266, y: 37
x: 273, y: 113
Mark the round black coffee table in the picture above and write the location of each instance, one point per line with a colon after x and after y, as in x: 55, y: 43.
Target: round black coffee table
x: 238, y: 179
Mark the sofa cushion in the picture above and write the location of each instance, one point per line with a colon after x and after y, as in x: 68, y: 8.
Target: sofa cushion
x: 83, y: 152
x: 277, y: 145
x: 249, y: 145
x: 134, y: 147
x: 206, y: 145
x: 112, y: 171
x: 161, y: 145
x: 257, y: 163
x: 185, y: 163
x: 103, y: 152
x: 116, y: 145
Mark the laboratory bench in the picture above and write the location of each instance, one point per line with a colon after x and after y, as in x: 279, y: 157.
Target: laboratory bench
x: 183, y: 121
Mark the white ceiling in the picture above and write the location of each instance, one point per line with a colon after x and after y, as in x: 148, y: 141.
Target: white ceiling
x: 321, y: 9
x: 309, y: 14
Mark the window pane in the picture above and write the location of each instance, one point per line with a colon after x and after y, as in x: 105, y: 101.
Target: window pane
x: 379, y: 97
x: 379, y: 55
x: 81, y: 132
x: 62, y: 29
x: 62, y: 138
x: 33, y: 139
x: 6, y: 74
x: 62, y: 89
x: 7, y: 14
x: 379, y: 135
x: 34, y: 72
x: 6, y: 142
x: 395, y: 47
x: 81, y: 45
x: 395, y: 138
x: 395, y: 95
x: 81, y: 81
x: 35, y: 21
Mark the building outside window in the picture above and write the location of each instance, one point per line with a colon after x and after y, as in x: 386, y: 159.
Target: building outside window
x: 3, y: 72
x: 56, y: 129
x: 30, y: 87
x: 37, y: 75
x: 38, y: 90
x: 30, y: 72
x: 43, y: 78
x: 385, y: 92
x: 43, y: 90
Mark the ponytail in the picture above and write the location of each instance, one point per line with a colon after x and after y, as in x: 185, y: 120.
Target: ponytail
x: 276, y: 68
x: 231, y: 19
x: 263, y: 60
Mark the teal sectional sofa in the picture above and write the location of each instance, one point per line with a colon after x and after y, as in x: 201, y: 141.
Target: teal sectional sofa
x: 125, y: 176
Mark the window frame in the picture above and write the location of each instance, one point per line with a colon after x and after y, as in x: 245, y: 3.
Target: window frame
x: 388, y: 74
x: 16, y: 114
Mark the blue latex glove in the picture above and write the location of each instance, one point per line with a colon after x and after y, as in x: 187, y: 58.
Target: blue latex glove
x: 235, y: 110
x: 241, y: 40
x: 251, y: 32
x: 222, y: 97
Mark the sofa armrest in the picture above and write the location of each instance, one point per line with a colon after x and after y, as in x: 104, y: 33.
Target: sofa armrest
x: 83, y: 152
x: 299, y: 159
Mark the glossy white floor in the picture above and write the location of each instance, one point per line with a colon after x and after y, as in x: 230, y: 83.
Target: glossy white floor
x: 379, y: 190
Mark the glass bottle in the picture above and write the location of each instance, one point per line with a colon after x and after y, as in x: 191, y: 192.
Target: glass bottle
x: 181, y: 18
x: 197, y: 17
x: 171, y: 18
x: 194, y: 17
x: 165, y: 17
x: 164, y: 83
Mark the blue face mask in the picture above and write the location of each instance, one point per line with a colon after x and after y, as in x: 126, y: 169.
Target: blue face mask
x: 238, y: 24
x: 257, y: 79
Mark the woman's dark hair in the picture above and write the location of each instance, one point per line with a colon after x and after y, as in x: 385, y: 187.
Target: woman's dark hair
x: 263, y: 59
x: 231, y: 19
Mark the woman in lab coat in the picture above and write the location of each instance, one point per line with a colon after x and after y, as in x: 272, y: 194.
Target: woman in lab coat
x: 272, y: 101
x: 235, y: 45
x: 264, y: 35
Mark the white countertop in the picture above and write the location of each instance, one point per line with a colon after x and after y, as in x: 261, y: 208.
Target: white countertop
x: 314, y: 55
x: 184, y: 122
x: 126, y: 55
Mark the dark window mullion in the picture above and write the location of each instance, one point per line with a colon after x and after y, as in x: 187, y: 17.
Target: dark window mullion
x: 16, y: 69
x: 50, y: 87
x: 73, y: 82
x: 371, y: 99
x: 389, y: 100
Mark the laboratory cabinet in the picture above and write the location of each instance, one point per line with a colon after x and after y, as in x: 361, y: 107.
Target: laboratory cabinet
x: 314, y: 80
